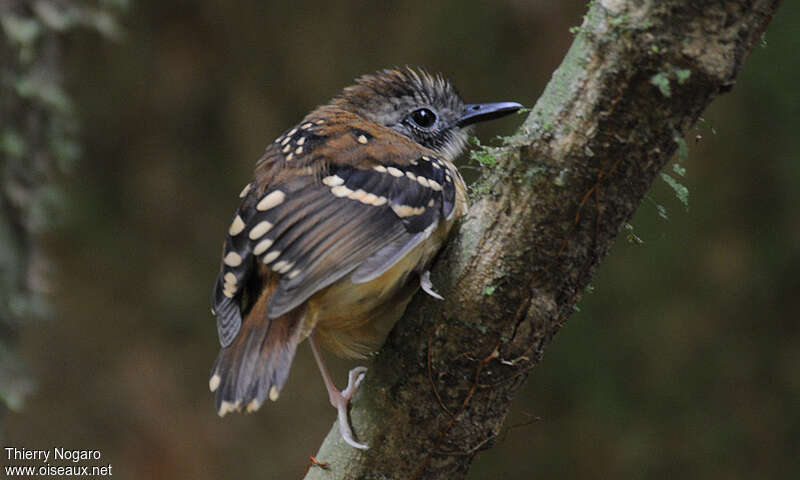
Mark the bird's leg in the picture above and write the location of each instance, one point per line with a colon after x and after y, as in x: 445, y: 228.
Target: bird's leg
x: 427, y: 286
x: 340, y: 400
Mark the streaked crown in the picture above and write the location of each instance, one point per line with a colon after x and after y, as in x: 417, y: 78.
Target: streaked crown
x: 414, y: 103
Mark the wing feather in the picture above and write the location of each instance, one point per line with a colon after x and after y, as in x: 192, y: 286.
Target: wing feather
x: 336, y: 209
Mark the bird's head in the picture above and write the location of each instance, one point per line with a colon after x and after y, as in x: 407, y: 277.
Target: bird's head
x: 420, y: 106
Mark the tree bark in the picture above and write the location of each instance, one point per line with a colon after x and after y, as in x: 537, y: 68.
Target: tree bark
x: 636, y: 78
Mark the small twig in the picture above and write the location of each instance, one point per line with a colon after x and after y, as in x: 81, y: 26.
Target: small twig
x: 532, y: 419
x: 313, y: 462
x: 430, y: 376
x: 472, y: 450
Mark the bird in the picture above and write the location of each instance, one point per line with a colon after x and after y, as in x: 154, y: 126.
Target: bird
x: 337, y: 231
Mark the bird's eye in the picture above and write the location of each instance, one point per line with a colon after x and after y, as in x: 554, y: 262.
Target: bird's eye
x: 423, y: 117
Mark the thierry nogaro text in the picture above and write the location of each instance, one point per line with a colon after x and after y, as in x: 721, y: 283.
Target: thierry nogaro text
x: 57, y: 453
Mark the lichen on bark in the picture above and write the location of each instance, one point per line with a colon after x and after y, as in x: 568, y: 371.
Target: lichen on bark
x: 38, y: 143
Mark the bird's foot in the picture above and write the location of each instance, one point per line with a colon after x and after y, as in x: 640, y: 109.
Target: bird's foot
x: 427, y: 286
x: 341, y: 400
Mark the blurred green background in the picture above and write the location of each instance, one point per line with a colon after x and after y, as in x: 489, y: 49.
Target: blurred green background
x: 682, y: 363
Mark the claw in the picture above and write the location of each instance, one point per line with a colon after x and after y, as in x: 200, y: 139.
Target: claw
x: 342, y: 400
x: 427, y: 286
x: 354, y: 379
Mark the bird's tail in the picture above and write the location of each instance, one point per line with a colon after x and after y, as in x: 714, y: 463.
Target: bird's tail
x: 256, y: 364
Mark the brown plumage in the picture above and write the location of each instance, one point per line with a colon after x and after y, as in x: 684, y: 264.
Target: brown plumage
x: 347, y: 209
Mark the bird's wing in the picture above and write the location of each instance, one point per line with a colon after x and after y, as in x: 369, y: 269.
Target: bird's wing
x: 332, y: 196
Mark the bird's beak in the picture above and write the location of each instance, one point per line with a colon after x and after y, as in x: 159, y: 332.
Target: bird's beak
x: 479, y: 112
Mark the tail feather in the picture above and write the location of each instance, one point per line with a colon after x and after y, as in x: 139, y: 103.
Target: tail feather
x: 256, y: 364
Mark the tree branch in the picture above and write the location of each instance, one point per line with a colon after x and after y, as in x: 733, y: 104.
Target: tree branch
x: 637, y: 77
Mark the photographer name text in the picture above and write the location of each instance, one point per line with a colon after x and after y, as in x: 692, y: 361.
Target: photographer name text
x: 57, y: 453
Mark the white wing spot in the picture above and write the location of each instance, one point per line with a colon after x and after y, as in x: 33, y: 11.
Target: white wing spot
x: 333, y: 181
x: 271, y: 256
x: 244, y: 190
x: 411, y: 176
x: 434, y: 185
x: 289, y: 157
x: 423, y: 181
x: 278, y: 266
x: 286, y: 148
x: 283, y: 266
x: 253, y: 406
x: 362, y: 139
x: 236, y: 227
x: 294, y: 273
x: 394, y: 172
x: 291, y: 132
x: 306, y: 125
x: 224, y: 408
x: 259, y: 230
x: 380, y: 201
x: 298, y: 150
x: 403, y: 211
x: 286, y: 140
x: 301, y: 141
x: 232, y: 259
x: 273, y: 393
x: 340, y: 191
x: 286, y: 268
x: 213, y: 384
x: 262, y: 246
x: 379, y: 168
x: 270, y: 201
x: 369, y: 199
x: 359, y: 195
x: 229, y: 288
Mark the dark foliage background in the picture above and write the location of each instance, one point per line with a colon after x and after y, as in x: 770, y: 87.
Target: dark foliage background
x: 682, y: 362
